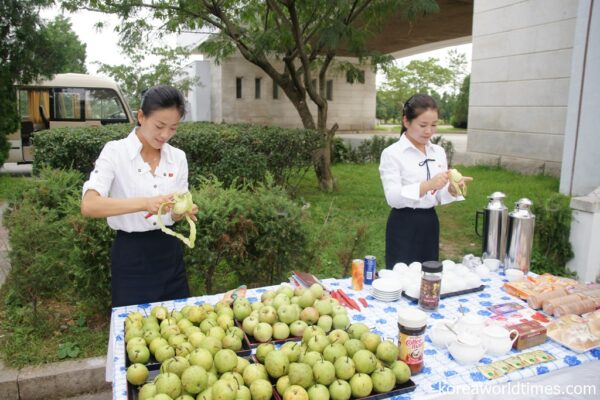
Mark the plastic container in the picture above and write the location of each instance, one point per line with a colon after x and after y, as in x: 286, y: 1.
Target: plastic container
x: 431, y: 285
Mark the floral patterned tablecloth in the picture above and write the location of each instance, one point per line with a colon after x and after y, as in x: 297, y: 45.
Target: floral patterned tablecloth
x: 441, y: 372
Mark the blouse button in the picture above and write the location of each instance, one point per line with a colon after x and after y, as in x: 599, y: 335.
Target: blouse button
x: 154, y: 186
x: 139, y: 170
x: 154, y: 223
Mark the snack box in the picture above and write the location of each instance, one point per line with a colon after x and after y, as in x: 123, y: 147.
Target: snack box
x: 531, y: 333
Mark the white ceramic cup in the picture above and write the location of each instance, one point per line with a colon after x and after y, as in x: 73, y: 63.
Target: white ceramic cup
x: 498, y: 339
x: 492, y: 263
x: 514, y: 274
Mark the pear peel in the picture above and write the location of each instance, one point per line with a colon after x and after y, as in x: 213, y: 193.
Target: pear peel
x: 182, y: 204
x: 455, y: 178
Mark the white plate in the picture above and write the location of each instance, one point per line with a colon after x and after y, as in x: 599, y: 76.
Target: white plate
x: 387, y: 299
x: 386, y: 285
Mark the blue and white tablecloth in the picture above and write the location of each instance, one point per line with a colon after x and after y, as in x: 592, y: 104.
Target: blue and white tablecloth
x: 441, y: 372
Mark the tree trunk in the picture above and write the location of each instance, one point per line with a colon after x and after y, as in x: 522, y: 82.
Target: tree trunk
x: 322, y: 157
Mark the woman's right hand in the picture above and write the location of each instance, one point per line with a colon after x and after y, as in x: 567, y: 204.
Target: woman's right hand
x: 154, y: 203
x: 438, y: 181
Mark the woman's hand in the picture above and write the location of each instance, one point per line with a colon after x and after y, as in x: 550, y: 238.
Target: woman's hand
x: 191, y: 214
x: 154, y: 203
x: 462, y: 184
x: 438, y: 181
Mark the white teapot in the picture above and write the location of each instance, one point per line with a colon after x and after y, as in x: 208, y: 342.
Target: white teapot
x: 498, y: 339
x: 470, y: 323
x: 467, y: 348
x: 441, y: 334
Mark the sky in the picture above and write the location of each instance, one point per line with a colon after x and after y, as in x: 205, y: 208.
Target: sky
x: 102, y: 44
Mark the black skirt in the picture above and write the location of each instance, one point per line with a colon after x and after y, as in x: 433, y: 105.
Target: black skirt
x: 147, y: 267
x: 412, y: 235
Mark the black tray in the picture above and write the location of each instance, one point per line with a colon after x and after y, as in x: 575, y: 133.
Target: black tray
x: 452, y: 294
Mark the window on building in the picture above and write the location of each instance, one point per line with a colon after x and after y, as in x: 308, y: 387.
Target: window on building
x: 238, y: 88
x: 355, y: 75
x: 329, y: 90
x: 257, y: 88
x: 275, y: 90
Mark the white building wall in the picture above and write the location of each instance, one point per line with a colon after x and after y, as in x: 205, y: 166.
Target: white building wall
x: 352, y: 107
x: 520, y: 83
x: 199, y: 95
x: 581, y: 155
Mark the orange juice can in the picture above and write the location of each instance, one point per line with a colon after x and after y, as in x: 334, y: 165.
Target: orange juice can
x: 358, y: 273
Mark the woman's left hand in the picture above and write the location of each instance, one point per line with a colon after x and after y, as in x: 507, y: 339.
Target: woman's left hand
x: 462, y: 184
x: 191, y: 214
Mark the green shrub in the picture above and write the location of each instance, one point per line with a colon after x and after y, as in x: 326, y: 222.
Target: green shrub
x: 39, y: 239
x: 252, y: 236
x: 551, y: 246
x: 369, y: 150
x: 243, y: 153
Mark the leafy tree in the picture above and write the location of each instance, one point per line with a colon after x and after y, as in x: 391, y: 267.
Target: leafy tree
x: 64, y: 53
x: 461, y: 111
x: 419, y: 76
x: 457, y: 64
x: 294, y: 42
x: 388, y: 105
x: 29, y: 50
x: 133, y: 78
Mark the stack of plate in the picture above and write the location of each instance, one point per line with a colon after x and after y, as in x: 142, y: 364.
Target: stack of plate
x: 387, y: 289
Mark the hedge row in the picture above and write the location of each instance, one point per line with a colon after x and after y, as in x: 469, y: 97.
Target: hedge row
x: 243, y: 237
x: 243, y: 153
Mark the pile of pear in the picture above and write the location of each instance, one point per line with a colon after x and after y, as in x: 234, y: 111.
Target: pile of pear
x: 340, y: 365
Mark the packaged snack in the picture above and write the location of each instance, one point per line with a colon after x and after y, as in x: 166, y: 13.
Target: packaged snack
x: 505, y: 308
x: 503, y: 366
x: 515, y: 362
x: 531, y: 333
x: 490, y: 372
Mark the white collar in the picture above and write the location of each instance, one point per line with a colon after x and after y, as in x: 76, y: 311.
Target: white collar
x: 134, y: 147
x: 405, y: 143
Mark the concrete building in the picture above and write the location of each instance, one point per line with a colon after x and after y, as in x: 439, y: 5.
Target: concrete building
x: 238, y: 91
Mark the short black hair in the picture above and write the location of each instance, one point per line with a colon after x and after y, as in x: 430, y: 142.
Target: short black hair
x: 415, y: 106
x: 161, y: 97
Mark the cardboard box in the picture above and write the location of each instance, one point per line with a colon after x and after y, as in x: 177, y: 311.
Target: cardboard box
x: 531, y: 333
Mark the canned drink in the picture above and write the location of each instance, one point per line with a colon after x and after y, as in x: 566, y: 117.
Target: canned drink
x: 370, y: 269
x: 358, y: 270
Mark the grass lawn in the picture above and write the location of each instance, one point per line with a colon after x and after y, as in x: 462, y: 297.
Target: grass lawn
x: 359, y: 203
x: 10, y: 185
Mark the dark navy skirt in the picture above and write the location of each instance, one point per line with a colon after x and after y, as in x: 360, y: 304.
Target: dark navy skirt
x: 412, y: 235
x: 147, y: 267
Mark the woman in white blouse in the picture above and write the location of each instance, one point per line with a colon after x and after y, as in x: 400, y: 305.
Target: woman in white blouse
x: 414, y: 173
x: 132, y: 177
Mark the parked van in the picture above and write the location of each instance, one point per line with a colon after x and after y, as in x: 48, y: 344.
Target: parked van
x: 64, y: 101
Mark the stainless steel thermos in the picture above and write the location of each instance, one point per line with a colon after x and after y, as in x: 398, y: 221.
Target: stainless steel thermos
x: 521, y: 223
x: 494, y: 228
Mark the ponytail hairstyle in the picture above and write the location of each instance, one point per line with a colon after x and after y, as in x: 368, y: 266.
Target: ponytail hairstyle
x: 162, y: 97
x: 415, y: 106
